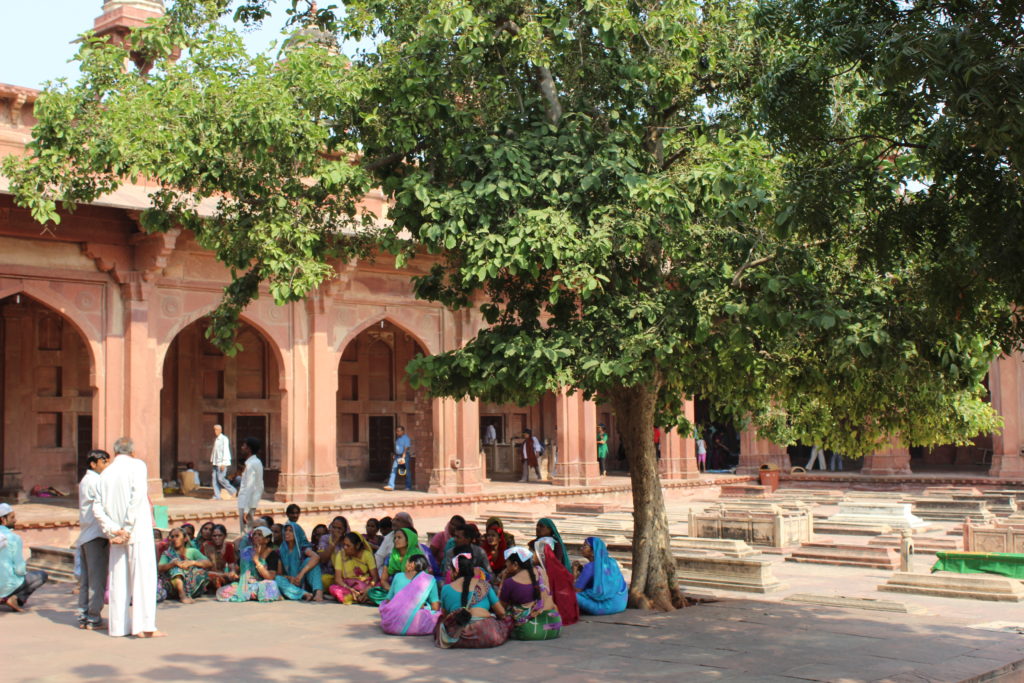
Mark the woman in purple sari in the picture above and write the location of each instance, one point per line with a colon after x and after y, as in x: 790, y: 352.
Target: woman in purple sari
x: 412, y: 606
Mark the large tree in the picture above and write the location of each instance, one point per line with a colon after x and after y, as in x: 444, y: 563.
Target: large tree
x: 591, y: 175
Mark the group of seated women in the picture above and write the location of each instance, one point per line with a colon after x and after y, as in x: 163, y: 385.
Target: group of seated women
x: 467, y: 589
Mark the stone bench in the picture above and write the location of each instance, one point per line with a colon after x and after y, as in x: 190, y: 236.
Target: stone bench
x: 1001, y: 504
x: 846, y: 556
x: 952, y: 585
x: 869, y: 517
x: 922, y: 544
x: 750, y: 575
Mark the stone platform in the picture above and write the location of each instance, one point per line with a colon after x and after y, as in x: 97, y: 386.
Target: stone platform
x: 872, y: 557
x: 952, y: 585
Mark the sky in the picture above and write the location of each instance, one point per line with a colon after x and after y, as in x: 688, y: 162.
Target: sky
x: 36, y: 37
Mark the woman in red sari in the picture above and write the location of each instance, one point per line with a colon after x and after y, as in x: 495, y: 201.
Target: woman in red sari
x: 560, y: 581
x: 496, y: 542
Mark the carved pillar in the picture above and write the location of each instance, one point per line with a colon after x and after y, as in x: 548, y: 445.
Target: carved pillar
x: 1005, y: 383
x: 577, y: 441
x: 679, y: 452
x: 458, y: 462
x: 755, y: 451
x: 309, y: 468
x: 894, y: 459
x: 143, y: 378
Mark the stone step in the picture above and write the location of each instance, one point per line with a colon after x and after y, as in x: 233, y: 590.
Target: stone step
x: 745, y: 491
x: 950, y: 491
x: 1001, y: 504
x: 949, y: 510
x: 922, y: 544
x: 855, y: 603
x: 824, y: 526
x: 846, y: 556
x: 684, y: 544
x: 895, y: 515
x: 57, y: 562
x: 962, y: 586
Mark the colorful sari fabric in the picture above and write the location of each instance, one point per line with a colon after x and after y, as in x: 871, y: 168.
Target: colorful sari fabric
x: 559, y: 581
x: 293, y: 559
x: 352, y: 575
x: 222, y: 559
x: 249, y: 586
x: 562, y: 554
x: 404, y: 613
x: 602, y: 589
x: 457, y: 629
x: 396, y: 563
x: 194, y: 578
x: 533, y: 622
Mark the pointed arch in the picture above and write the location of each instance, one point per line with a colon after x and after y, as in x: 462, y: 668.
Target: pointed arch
x: 377, y: 320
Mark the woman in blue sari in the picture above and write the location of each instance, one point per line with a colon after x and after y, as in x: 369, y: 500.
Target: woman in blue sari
x: 299, y: 575
x: 600, y: 588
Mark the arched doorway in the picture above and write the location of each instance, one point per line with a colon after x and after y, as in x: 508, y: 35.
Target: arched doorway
x: 509, y: 420
x: 374, y: 397
x: 47, y: 396
x: 203, y: 387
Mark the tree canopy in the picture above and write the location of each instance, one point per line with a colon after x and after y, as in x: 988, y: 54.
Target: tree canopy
x: 633, y: 194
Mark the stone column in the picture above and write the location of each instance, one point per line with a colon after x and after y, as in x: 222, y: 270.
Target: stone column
x: 679, y: 452
x: 577, y: 441
x: 756, y: 451
x: 309, y: 470
x: 1005, y: 384
x: 894, y: 459
x: 143, y: 378
x: 457, y: 465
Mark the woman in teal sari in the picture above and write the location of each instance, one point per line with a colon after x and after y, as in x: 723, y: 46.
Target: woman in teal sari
x: 298, y: 577
x: 184, y: 568
x: 412, y: 606
x: 407, y: 544
x: 256, y: 575
x: 600, y: 588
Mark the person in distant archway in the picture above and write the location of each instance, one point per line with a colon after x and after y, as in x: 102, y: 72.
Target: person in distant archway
x: 531, y: 450
x: 401, y: 460
x: 220, y: 458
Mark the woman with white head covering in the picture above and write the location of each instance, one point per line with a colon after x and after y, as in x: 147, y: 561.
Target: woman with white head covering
x: 257, y: 569
x: 527, y: 599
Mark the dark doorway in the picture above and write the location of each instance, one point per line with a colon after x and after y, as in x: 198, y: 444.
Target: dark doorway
x: 252, y: 425
x: 83, y: 437
x: 381, y: 445
x: 498, y: 422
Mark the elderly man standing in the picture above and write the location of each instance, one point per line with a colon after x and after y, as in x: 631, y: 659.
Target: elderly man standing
x: 93, y: 546
x: 126, y: 518
x: 220, y: 458
x: 251, y: 489
x: 16, y: 584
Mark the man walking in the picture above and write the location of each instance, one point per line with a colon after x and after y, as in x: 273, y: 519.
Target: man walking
x: 220, y: 458
x: 126, y: 518
x: 251, y: 489
x: 16, y: 583
x: 531, y: 452
x: 93, y: 546
x: 401, y: 459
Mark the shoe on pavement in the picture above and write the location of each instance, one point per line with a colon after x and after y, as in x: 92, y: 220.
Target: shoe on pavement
x: 389, y: 488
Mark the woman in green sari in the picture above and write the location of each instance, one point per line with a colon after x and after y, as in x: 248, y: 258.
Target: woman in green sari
x: 184, y: 568
x: 407, y: 544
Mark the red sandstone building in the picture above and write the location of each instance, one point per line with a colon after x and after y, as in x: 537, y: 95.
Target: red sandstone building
x: 101, y: 335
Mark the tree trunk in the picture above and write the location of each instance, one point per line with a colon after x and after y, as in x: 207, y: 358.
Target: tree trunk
x: 654, y: 569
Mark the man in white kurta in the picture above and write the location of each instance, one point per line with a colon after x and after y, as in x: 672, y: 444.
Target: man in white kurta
x: 251, y: 489
x: 126, y: 517
x: 220, y: 459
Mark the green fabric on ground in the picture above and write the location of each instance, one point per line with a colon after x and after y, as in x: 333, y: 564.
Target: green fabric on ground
x: 1007, y: 564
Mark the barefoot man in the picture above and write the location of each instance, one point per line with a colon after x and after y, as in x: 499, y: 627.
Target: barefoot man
x: 126, y: 518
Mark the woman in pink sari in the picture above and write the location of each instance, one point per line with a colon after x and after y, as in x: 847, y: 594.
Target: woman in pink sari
x: 355, y: 571
x: 412, y: 606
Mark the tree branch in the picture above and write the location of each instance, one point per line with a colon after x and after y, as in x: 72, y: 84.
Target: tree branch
x: 754, y: 263
x: 545, y: 81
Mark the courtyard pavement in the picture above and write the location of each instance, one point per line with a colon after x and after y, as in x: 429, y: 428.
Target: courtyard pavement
x: 729, y: 640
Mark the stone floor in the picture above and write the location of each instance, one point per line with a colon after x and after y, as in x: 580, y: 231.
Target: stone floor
x: 730, y: 640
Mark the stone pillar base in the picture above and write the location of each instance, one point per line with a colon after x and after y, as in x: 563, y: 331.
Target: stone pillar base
x: 307, y: 488
x: 894, y: 461
x: 456, y: 480
x: 1007, y: 465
